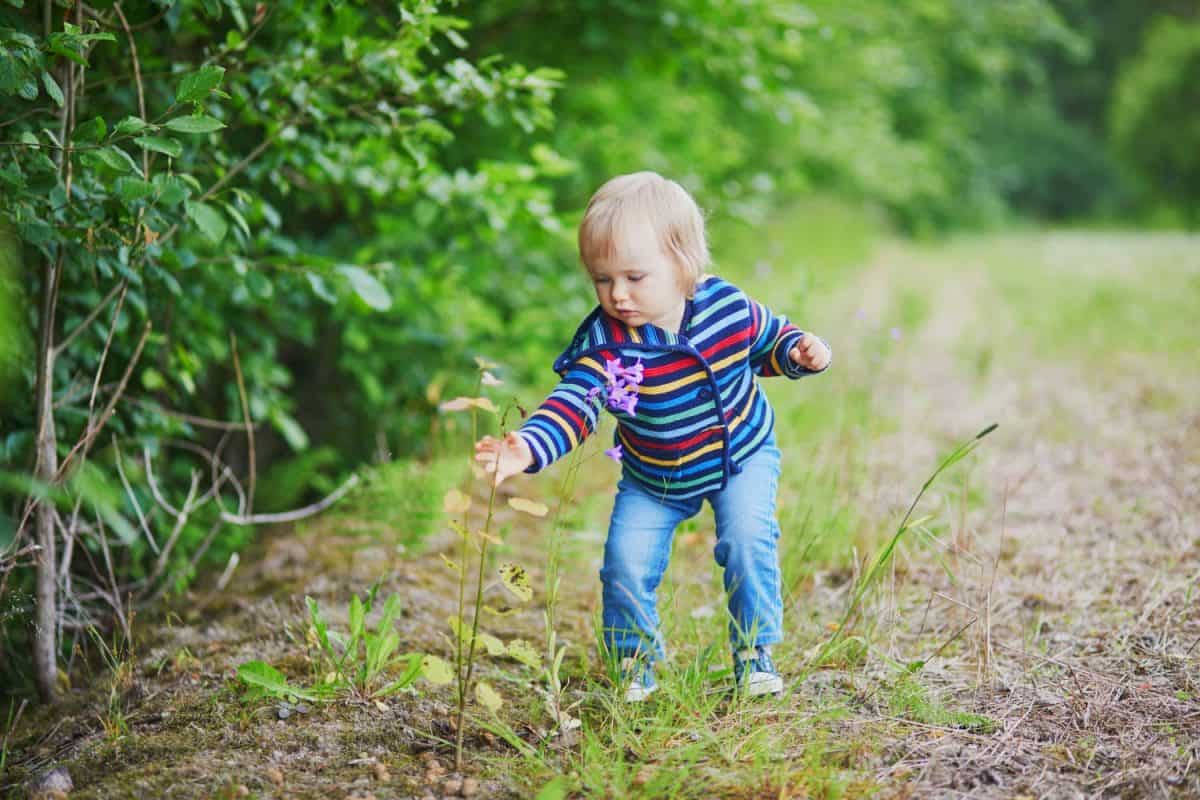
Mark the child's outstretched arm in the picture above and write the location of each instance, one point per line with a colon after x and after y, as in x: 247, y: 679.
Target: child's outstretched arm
x: 811, y: 353
x: 504, y: 457
x: 780, y: 348
x: 555, y: 428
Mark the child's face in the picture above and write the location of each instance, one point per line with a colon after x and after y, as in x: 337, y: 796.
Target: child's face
x: 640, y: 284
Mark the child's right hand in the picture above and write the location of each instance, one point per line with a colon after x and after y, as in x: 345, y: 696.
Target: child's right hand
x: 504, y: 457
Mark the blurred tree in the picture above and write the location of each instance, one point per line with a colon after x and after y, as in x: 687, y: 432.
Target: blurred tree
x: 1155, y: 122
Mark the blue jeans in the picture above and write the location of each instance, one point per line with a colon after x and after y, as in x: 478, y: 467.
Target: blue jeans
x: 639, y: 546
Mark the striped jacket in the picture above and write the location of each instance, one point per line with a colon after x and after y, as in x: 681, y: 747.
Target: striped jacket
x: 699, y: 413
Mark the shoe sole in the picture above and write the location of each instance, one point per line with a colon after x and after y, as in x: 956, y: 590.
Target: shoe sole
x: 637, y: 694
x: 760, y: 683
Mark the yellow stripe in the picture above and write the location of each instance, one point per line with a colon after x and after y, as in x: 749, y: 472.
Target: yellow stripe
x: 633, y: 334
x: 695, y: 376
x: 775, y: 362
x: 740, y: 418
x: 675, y: 462
x: 560, y: 422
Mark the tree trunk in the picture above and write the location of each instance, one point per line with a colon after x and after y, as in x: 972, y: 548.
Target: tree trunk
x: 45, y: 631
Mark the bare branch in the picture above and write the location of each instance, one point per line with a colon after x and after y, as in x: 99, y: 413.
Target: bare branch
x: 241, y: 384
x: 292, y: 516
x: 180, y: 520
x: 137, y: 507
x: 201, y: 422
x: 91, y: 317
x: 84, y: 443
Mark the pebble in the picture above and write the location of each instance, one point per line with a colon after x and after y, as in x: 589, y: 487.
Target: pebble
x: 470, y: 787
x: 381, y: 773
x: 452, y: 787
x: 53, y: 782
x: 275, y: 775
x: 284, y: 711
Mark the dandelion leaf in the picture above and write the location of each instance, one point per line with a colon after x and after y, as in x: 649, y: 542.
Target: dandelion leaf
x: 516, y: 580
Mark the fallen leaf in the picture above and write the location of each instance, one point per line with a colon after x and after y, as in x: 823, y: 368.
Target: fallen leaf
x: 528, y: 506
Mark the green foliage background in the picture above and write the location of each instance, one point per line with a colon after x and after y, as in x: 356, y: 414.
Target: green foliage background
x: 363, y: 195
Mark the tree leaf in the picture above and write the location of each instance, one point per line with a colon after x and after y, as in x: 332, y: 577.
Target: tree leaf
x: 436, y: 670
x: 53, y: 89
x: 197, y: 85
x: 195, y: 124
x: 494, y: 646
x: 131, y: 125
x: 209, y: 220
x: 160, y: 144
x: 530, y: 507
x: 131, y: 190
x: 455, y: 502
x: 516, y: 580
x: 367, y: 286
x: 522, y: 651
x: 488, y: 697
x: 91, y: 131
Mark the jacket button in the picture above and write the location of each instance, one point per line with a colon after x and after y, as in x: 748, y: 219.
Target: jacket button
x: 704, y: 394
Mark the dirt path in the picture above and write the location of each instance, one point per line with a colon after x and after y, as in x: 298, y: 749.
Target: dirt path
x: 1056, y: 608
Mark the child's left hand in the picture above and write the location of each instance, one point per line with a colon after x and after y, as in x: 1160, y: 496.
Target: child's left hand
x: 811, y: 353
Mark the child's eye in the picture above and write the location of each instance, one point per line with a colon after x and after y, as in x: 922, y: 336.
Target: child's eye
x: 601, y: 280
x: 635, y: 278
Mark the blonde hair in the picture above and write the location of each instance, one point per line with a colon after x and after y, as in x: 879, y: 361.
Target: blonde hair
x: 626, y: 201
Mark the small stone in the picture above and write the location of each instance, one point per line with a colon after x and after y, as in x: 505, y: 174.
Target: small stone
x: 470, y: 787
x: 284, y: 711
x: 452, y: 787
x: 381, y: 773
x: 275, y: 775
x: 56, y: 780
x: 303, y: 708
x: 242, y: 791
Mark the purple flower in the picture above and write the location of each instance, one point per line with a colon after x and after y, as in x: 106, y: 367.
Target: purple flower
x: 621, y: 387
x: 614, y: 453
x: 895, y: 334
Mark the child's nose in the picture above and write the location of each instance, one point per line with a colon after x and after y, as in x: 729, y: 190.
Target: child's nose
x: 620, y: 291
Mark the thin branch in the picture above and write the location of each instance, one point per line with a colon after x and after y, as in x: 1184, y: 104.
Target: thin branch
x: 92, y: 431
x: 137, y: 507
x: 180, y: 520
x: 201, y: 422
x: 241, y: 384
x: 292, y: 516
x: 141, y: 93
x: 112, y: 329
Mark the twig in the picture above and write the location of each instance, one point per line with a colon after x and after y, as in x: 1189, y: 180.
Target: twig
x: 137, y: 507
x: 241, y: 384
x: 292, y: 516
x: 92, y: 431
x: 141, y: 93
x: 202, y: 422
x: 90, y: 318
x: 181, y: 519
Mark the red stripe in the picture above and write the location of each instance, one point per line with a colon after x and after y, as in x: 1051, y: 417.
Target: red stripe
x: 731, y: 339
x: 566, y: 411
x: 655, y: 444
x: 668, y: 368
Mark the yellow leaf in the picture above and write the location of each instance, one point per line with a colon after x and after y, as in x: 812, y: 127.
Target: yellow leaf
x: 488, y: 697
x: 494, y: 646
x: 455, y: 502
x: 483, y: 363
x: 381, y: 706
x: 489, y: 537
x: 528, y: 506
x: 453, y: 565
x: 484, y: 404
x: 459, y: 528
x: 523, y: 651
x: 436, y: 671
x: 459, y: 403
x: 516, y: 580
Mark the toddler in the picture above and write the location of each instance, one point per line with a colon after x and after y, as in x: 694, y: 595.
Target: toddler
x: 672, y: 354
